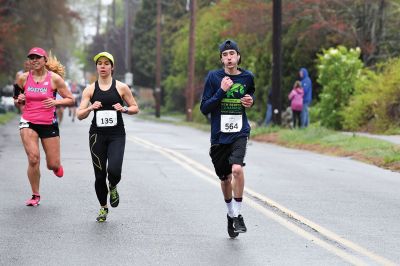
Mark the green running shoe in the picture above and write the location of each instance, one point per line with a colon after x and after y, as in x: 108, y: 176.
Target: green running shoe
x: 102, y: 217
x: 114, y: 196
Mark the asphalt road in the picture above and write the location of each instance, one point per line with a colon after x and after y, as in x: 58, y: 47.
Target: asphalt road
x: 300, y: 208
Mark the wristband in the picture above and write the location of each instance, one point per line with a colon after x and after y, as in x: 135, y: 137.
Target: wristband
x: 17, y: 91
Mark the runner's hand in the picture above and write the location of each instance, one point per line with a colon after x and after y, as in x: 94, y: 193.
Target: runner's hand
x: 96, y: 105
x: 247, y: 101
x: 226, y: 83
x: 21, y: 98
x: 118, y: 107
x: 49, y: 102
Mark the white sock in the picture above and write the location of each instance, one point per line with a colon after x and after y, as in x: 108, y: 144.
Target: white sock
x: 237, y: 207
x: 231, y: 211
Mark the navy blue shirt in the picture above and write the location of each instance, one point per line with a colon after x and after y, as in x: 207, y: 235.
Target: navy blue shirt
x: 217, y: 102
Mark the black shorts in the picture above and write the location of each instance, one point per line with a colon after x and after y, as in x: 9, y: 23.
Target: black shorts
x: 44, y: 131
x: 224, y: 155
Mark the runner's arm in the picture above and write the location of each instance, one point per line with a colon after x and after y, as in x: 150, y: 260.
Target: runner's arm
x: 127, y: 96
x: 211, y: 98
x: 62, y: 89
x: 84, y: 107
x: 19, y: 100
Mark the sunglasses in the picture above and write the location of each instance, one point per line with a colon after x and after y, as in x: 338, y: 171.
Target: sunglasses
x: 34, y: 56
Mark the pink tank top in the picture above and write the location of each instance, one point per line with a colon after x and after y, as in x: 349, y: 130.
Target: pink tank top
x: 35, y: 93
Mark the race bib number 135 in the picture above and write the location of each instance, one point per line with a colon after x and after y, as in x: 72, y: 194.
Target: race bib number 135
x: 106, y: 118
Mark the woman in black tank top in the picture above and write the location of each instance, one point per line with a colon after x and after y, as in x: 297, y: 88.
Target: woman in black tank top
x: 106, y: 98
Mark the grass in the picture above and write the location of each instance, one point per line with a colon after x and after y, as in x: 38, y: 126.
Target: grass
x: 4, y: 118
x: 378, y: 152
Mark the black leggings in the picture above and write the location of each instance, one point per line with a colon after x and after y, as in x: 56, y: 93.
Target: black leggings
x: 106, y: 149
x: 296, y: 118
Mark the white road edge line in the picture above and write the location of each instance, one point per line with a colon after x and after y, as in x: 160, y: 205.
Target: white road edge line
x: 189, y: 164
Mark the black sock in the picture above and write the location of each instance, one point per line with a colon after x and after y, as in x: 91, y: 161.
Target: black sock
x: 228, y: 200
x: 238, y: 199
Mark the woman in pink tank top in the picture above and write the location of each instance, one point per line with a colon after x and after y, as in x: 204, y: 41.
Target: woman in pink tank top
x: 38, y: 88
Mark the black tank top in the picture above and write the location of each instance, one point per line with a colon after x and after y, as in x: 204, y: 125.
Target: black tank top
x: 106, y: 125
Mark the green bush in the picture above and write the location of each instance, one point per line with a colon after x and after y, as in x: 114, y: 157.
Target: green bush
x: 174, y: 93
x: 198, y: 116
x: 313, y: 113
x: 360, y: 109
x: 338, y: 68
x: 375, y: 105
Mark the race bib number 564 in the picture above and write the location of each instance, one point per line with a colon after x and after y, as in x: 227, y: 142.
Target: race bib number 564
x: 105, y: 118
x: 231, y: 123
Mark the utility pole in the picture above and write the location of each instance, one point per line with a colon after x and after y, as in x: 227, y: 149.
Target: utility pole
x: 128, y: 52
x: 110, y: 24
x: 127, y: 36
x: 113, y: 14
x: 98, y: 17
x: 157, y: 91
x: 191, y: 68
x: 107, y: 40
x: 277, y: 62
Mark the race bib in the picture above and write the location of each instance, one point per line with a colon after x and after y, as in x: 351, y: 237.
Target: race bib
x: 23, y: 123
x: 231, y: 115
x: 106, y: 118
x: 231, y: 123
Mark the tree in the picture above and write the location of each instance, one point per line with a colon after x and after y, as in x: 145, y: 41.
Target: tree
x: 370, y: 25
x: 145, y: 38
x: 8, y: 30
x: 50, y: 26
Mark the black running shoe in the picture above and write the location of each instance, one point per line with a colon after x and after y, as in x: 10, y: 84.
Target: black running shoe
x: 238, y: 224
x: 114, y: 197
x: 231, y: 230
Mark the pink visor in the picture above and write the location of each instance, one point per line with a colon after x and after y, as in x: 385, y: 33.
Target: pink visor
x: 37, y: 51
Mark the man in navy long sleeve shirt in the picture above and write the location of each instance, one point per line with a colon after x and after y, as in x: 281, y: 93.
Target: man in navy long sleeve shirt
x: 227, y: 93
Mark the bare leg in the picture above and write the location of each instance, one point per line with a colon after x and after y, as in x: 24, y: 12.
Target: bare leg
x: 238, y: 180
x: 30, y: 140
x: 226, y: 187
x: 51, y: 147
x: 238, y: 187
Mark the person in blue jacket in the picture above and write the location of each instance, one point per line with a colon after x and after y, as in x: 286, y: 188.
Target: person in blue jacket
x: 227, y: 94
x: 268, y: 112
x: 307, y: 97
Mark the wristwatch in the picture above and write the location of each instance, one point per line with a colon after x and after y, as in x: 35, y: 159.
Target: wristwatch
x: 125, y: 109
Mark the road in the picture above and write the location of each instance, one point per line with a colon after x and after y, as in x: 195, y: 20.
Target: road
x: 300, y: 208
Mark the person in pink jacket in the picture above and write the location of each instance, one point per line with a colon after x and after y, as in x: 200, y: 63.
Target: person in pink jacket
x: 296, y: 103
